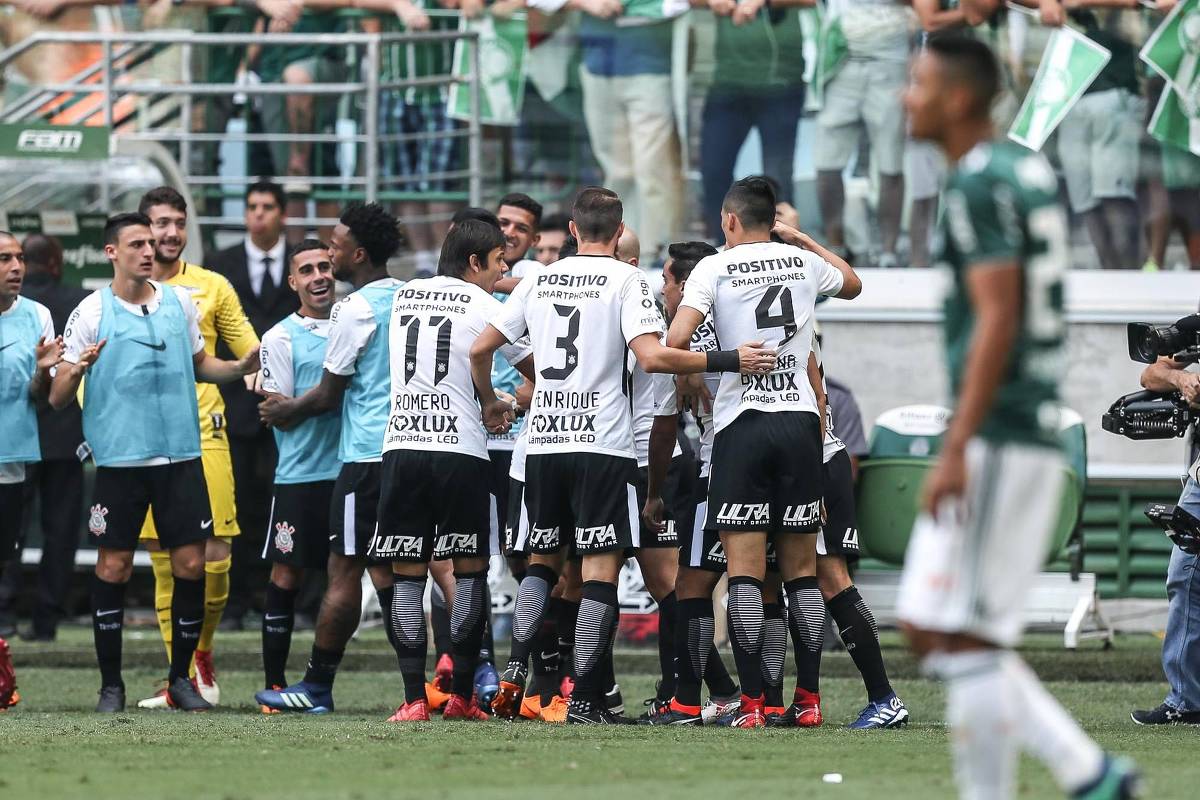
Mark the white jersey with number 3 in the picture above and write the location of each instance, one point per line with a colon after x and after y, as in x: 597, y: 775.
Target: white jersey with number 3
x: 763, y: 291
x: 433, y: 406
x: 581, y: 313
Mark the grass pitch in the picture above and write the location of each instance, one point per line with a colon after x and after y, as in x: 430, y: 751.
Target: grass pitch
x: 52, y: 746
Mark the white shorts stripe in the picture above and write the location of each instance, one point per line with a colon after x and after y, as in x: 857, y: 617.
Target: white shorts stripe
x: 635, y: 527
x: 494, y: 527
x: 270, y: 522
x: 695, y: 558
x: 348, y: 526
x: 522, y: 537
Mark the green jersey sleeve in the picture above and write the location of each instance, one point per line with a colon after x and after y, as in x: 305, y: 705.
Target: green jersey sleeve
x: 982, y: 220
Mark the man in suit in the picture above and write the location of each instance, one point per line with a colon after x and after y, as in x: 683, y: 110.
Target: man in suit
x: 58, y: 478
x: 257, y: 268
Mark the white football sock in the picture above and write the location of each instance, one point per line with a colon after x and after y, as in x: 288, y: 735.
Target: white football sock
x: 983, y: 719
x: 1048, y: 732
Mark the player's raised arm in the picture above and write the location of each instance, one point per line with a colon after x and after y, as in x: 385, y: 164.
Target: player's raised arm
x: 851, y: 283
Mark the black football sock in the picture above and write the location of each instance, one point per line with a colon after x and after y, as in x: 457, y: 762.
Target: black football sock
x: 693, y: 647
x: 439, y: 620
x: 668, y: 612
x: 806, y: 619
x: 716, y: 675
x: 385, y: 610
x: 187, y: 617
x: 323, y: 666
x: 544, y: 671
x: 466, y: 628
x: 746, y: 631
x: 108, y: 624
x: 857, y: 627
x: 774, y: 653
x: 408, y: 625
x: 487, y: 643
x: 279, y: 617
x: 530, y: 610
x: 593, y: 639
x: 565, y: 620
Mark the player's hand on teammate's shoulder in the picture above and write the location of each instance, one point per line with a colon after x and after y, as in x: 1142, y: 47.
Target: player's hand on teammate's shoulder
x: 693, y: 394
x: 48, y: 353
x: 753, y: 358
x: 793, y: 236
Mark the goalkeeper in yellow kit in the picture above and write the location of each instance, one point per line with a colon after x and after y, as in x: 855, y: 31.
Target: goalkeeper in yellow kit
x: 221, y: 317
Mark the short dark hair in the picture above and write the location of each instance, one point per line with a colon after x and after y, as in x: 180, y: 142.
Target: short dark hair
x: 570, y: 247
x: 685, y: 256
x: 115, y: 224
x: 264, y: 186
x: 375, y: 230
x: 597, y: 214
x: 476, y: 213
x: 970, y: 62
x: 471, y: 237
x: 524, y: 202
x: 306, y: 246
x: 162, y: 196
x: 40, y: 250
x: 752, y: 201
x: 555, y: 221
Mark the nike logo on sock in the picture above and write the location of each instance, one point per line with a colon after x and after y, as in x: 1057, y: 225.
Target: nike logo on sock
x: 550, y: 655
x: 272, y: 618
x: 107, y: 613
x: 183, y: 621
x: 160, y: 346
x: 205, y: 525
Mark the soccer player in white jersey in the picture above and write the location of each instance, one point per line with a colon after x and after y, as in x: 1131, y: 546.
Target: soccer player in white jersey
x: 435, y: 490
x: 293, y: 354
x: 581, y: 314
x: 838, y: 540
x: 766, y: 470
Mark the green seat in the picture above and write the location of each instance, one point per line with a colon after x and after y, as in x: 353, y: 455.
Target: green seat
x: 903, y: 445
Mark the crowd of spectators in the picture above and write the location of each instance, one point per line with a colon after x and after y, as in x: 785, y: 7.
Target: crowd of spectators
x: 834, y: 141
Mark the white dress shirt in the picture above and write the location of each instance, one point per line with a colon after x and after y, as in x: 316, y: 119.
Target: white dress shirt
x: 255, y: 268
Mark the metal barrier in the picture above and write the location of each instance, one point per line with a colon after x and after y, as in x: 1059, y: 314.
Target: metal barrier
x: 109, y: 80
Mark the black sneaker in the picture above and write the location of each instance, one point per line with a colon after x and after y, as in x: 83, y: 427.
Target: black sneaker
x: 666, y: 714
x: 584, y: 712
x: 112, y: 700
x: 654, y: 707
x: 183, y: 695
x: 613, y: 700
x: 1165, y: 715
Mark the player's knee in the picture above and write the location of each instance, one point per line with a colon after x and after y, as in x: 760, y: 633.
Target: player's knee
x: 286, y: 577
x: 113, y: 566
x: 832, y: 576
x: 695, y: 583
x: 218, y: 548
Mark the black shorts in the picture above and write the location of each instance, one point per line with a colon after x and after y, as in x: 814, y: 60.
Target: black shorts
x: 678, y: 499
x: 12, y: 500
x: 501, y: 461
x: 516, y: 523
x: 699, y: 546
x: 298, y: 531
x: 839, y: 534
x: 434, y: 505
x: 766, y: 474
x: 590, y: 496
x: 353, y: 509
x: 175, y: 494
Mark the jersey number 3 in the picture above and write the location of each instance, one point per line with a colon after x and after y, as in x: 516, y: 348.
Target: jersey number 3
x: 566, y: 344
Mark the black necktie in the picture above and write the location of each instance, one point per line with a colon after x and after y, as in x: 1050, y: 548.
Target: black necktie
x: 266, y: 293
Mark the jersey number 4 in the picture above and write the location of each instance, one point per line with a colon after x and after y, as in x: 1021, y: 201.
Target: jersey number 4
x: 441, y: 359
x: 566, y: 344
x: 765, y: 318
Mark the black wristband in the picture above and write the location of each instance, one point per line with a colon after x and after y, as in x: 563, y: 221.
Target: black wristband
x: 722, y: 361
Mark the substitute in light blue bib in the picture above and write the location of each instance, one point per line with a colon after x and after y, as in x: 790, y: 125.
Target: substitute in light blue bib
x: 139, y: 401
x: 365, y: 406
x: 20, y: 330
x: 308, y: 452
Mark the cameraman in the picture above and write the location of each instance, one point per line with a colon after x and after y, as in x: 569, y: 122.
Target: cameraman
x: 1181, y: 645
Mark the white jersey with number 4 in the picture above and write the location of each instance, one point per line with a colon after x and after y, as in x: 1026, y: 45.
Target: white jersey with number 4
x: 433, y: 406
x: 581, y: 313
x: 763, y: 291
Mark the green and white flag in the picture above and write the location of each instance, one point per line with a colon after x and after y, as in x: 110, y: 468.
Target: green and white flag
x: 654, y: 9
x: 832, y: 51
x: 1069, y: 64
x: 1173, y: 124
x: 1173, y: 51
x: 504, y: 47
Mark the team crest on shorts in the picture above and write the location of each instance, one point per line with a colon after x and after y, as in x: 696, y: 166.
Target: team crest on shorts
x: 284, y: 541
x: 97, y: 523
